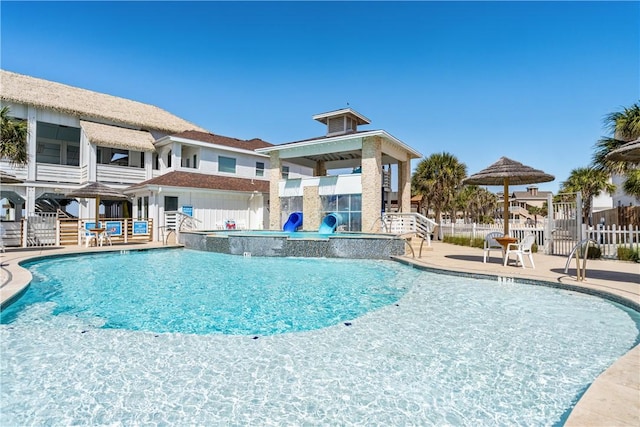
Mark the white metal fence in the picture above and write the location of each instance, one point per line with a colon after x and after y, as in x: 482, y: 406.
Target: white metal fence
x: 611, y: 238
x: 40, y: 229
x: 481, y: 230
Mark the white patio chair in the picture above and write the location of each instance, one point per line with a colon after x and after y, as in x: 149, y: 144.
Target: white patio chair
x: 105, y: 236
x: 520, y: 250
x: 490, y: 243
x: 88, y: 237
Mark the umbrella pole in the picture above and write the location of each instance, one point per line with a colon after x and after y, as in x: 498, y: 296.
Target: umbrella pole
x: 505, y: 211
x: 97, y: 212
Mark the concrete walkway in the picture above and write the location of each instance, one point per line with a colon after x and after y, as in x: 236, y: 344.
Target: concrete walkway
x: 612, y: 400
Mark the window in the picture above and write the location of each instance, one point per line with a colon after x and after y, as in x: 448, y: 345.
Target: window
x: 226, y: 164
x: 195, y: 161
x: 289, y: 205
x: 259, y: 169
x: 57, y: 144
x: 48, y: 153
x: 285, y: 172
x: 348, y: 206
x: 73, y: 154
x: 170, y: 203
x: 113, y: 156
x: 169, y: 159
x: 143, y: 207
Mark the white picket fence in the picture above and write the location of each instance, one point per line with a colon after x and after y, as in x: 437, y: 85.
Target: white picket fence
x: 481, y: 230
x: 611, y: 238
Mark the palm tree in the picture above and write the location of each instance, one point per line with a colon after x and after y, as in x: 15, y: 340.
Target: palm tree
x: 535, y: 211
x: 477, y: 203
x: 463, y: 201
x: 631, y: 185
x: 624, y: 126
x: 591, y: 182
x: 436, y: 178
x: 14, y: 139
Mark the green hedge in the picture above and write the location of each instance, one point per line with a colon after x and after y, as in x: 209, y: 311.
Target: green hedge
x: 628, y: 254
x: 465, y: 241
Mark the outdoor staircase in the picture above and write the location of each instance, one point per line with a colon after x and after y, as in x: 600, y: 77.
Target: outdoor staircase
x: 414, y: 227
x: 174, y: 223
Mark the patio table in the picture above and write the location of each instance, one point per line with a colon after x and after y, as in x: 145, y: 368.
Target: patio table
x: 97, y: 232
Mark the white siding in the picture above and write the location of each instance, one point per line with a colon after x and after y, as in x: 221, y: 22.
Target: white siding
x: 213, y: 208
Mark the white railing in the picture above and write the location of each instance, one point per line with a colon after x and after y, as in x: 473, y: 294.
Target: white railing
x: 403, y: 223
x: 58, y: 173
x: 610, y: 238
x: 19, y: 172
x: 186, y: 222
x: 175, y: 222
x: 481, y: 230
x: 40, y: 229
x: 121, y: 174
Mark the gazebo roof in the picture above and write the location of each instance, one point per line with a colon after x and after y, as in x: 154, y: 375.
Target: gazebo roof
x: 343, y: 150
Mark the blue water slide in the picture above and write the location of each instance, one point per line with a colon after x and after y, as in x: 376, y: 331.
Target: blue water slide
x: 329, y: 223
x: 294, y: 222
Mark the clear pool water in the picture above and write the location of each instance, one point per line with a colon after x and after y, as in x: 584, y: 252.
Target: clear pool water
x: 449, y: 351
x: 196, y: 292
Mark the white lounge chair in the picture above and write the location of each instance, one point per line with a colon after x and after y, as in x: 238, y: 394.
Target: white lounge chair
x: 520, y: 250
x: 490, y: 243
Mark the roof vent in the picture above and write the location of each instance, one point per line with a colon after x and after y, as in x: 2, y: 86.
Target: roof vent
x: 341, y: 122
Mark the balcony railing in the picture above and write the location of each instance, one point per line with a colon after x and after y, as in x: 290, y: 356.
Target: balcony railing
x: 58, y: 173
x: 121, y: 174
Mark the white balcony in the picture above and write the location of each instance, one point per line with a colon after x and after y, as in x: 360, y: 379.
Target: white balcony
x: 58, y: 173
x: 120, y: 174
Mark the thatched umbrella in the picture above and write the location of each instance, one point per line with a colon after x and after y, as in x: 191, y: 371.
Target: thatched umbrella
x: 504, y: 172
x: 98, y: 191
x: 629, y: 152
x: 7, y: 178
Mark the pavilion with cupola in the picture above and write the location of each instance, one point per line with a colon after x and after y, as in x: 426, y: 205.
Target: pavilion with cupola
x: 353, y: 174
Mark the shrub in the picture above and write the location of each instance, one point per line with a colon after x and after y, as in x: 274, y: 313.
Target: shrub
x: 464, y: 241
x: 474, y: 242
x: 628, y: 254
x: 593, y: 252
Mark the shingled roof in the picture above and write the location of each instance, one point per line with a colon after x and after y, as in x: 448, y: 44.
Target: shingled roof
x: 250, y: 144
x: 87, y: 104
x: 209, y: 182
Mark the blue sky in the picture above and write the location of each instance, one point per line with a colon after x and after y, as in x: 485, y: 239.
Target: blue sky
x: 528, y: 80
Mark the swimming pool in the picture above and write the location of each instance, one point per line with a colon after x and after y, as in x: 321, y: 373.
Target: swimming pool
x: 449, y: 351
x: 195, y: 292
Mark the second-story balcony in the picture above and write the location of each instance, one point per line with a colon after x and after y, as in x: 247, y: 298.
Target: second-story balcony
x: 121, y: 174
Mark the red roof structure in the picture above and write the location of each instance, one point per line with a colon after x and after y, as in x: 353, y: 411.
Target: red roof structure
x: 205, y: 181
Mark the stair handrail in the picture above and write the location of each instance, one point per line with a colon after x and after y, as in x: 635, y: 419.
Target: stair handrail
x: 581, y: 274
x: 417, y: 223
x: 413, y: 222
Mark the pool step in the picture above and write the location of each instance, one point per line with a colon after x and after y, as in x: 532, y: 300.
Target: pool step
x: 415, y: 242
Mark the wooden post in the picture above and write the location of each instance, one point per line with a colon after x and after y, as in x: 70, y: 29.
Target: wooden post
x: 505, y: 209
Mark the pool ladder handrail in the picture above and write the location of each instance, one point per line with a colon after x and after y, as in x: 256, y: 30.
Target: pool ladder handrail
x: 581, y: 274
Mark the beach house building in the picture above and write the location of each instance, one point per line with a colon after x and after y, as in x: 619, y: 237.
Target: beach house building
x: 164, y: 163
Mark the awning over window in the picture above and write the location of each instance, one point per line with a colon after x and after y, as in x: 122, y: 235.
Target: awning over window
x: 117, y: 137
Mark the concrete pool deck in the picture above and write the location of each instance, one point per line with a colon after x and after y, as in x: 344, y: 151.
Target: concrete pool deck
x: 612, y: 400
